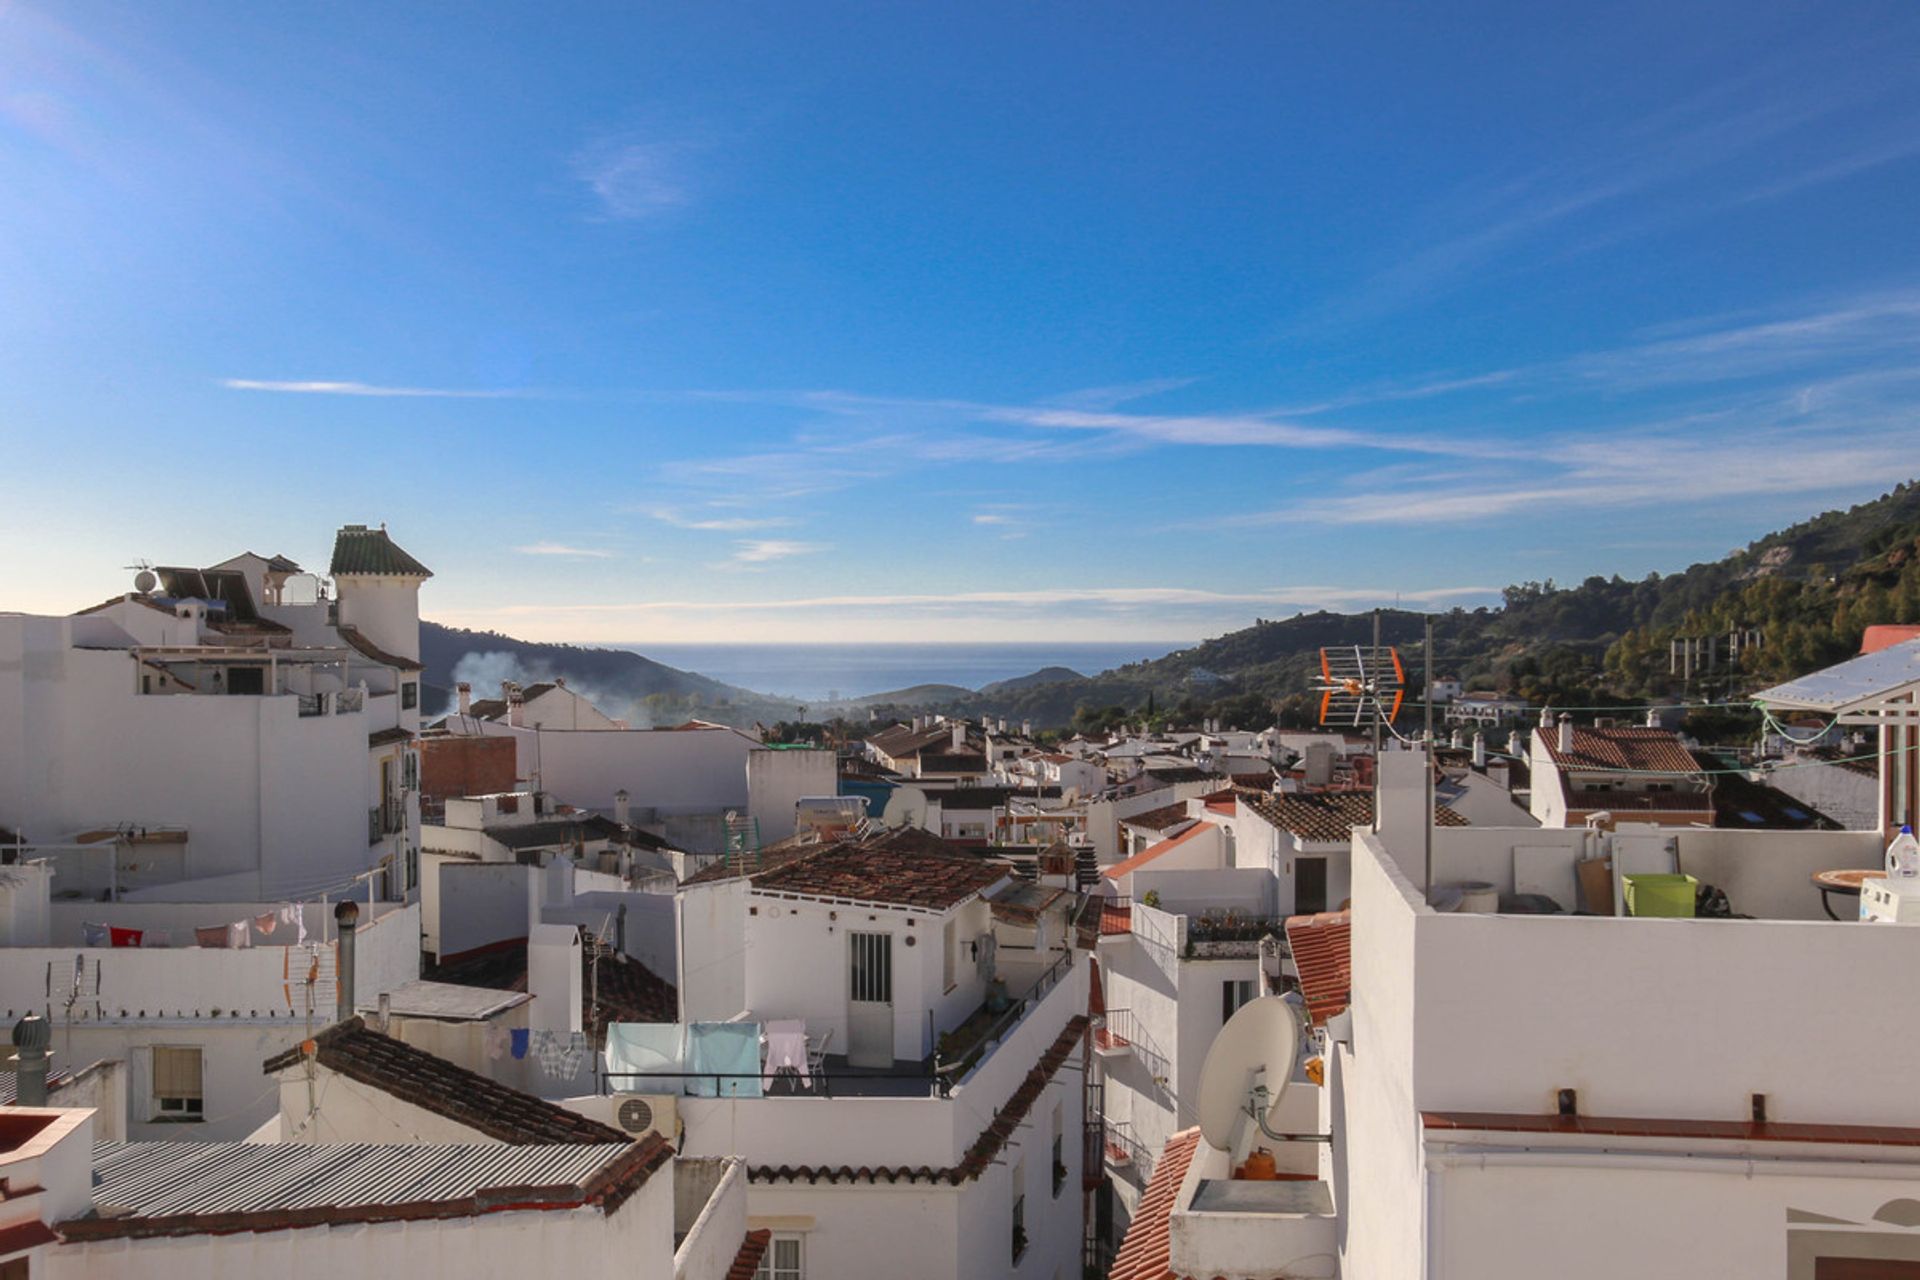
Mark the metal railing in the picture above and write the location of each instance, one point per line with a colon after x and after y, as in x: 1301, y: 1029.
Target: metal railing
x: 387, y: 818
x: 348, y: 700
x: 1018, y: 1007
x: 311, y: 704
x: 816, y: 1084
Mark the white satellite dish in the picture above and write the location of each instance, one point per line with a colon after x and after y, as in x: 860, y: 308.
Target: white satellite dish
x: 1264, y: 1036
x: 145, y: 581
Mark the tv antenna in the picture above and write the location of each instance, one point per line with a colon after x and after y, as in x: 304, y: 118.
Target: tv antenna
x: 1360, y: 685
x: 70, y: 986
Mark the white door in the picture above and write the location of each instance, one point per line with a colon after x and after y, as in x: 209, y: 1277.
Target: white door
x: 870, y: 999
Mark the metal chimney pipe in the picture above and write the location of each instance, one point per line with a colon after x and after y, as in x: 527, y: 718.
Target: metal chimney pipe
x: 31, y: 1036
x: 347, y: 917
x: 621, y: 811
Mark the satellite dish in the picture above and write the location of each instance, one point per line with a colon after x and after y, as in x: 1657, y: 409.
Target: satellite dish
x: 1264, y: 1036
x: 145, y: 581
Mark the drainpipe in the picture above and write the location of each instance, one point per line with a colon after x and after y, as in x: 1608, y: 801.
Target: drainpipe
x: 620, y: 930
x: 346, y: 915
x: 31, y: 1036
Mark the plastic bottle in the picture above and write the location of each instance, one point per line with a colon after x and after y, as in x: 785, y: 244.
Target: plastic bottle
x: 1903, y: 855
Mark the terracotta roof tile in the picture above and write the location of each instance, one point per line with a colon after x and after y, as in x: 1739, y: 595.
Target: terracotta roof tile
x: 1115, y: 919
x: 1322, y: 947
x: 882, y: 874
x: 357, y: 1051
x: 1625, y: 749
x: 1167, y: 815
x: 1324, y: 817
x: 1148, y: 854
x: 1148, y: 1248
x: 747, y: 1261
x: 368, y: 648
x: 358, y: 549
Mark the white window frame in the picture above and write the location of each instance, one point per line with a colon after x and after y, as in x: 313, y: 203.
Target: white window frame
x: 158, y: 1111
x: 767, y: 1269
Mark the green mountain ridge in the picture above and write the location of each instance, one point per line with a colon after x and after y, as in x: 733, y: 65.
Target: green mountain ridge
x: 1810, y: 590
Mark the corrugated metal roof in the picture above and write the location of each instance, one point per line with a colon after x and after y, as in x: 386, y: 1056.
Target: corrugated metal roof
x: 1853, y: 683
x: 163, y: 1179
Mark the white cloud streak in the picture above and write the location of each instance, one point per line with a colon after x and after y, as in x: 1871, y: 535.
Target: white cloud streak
x: 563, y: 550
x: 321, y: 388
x: 633, y: 179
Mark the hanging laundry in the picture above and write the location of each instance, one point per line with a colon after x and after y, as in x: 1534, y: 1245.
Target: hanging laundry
x: 124, y: 937
x: 237, y: 935
x: 158, y: 938
x: 293, y: 915
x: 265, y: 923
x: 519, y: 1042
x: 497, y: 1041
x: 573, y: 1055
x: 211, y: 935
x: 96, y: 935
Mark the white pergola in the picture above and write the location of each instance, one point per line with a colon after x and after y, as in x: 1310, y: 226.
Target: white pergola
x: 1873, y: 689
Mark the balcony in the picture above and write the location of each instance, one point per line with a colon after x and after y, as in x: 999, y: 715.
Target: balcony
x: 388, y: 818
x: 1115, y: 1038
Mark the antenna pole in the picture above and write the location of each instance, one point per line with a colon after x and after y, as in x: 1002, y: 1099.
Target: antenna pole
x: 1427, y: 698
x: 1373, y: 670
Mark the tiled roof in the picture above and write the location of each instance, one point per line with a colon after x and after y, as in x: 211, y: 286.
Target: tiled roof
x: 1698, y: 802
x: 1322, y: 947
x: 554, y: 831
x: 367, y: 648
x: 1148, y: 1249
x: 1629, y: 749
x: 1631, y: 1127
x: 1323, y: 817
x: 1148, y: 854
x: 201, y: 1188
x: 877, y: 873
x: 358, y: 549
x: 627, y: 990
x: 905, y: 740
x: 1167, y: 815
x: 387, y: 737
x: 357, y: 1051
x: 984, y: 1149
x: 1180, y: 773
x: 949, y: 762
x: 747, y: 1262
x: 1115, y: 919
x: 988, y: 797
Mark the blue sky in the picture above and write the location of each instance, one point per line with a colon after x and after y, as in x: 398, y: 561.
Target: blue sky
x: 988, y: 321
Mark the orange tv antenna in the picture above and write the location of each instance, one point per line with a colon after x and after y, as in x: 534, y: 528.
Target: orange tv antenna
x: 1358, y: 683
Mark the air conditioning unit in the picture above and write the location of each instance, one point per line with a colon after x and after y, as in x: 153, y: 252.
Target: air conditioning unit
x: 638, y: 1114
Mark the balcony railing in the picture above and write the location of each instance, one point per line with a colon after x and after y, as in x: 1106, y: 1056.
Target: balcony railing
x: 348, y: 700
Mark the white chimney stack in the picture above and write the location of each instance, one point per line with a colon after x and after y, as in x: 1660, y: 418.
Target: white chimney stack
x: 1566, y: 733
x: 620, y: 809
x: 1479, y: 750
x: 1546, y: 717
x: 1653, y: 717
x: 959, y: 736
x: 465, y: 693
x: 1026, y: 728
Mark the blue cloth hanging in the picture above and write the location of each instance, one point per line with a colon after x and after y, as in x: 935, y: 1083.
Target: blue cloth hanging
x: 729, y: 1051
x: 520, y: 1042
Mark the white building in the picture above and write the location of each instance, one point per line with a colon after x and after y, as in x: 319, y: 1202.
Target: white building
x: 1619, y: 774
x: 937, y: 1133
x: 269, y: 742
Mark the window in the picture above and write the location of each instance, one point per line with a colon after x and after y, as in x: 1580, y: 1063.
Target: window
x: 785, y: 1259
x: 176, y: 1083
x: 1233, y: 994
x: 1309, y: 885
x: 409, y: 695
x: 949, y: 945
x: 410, y: 771
x: 1019, y: 1220
x: 872, y: 967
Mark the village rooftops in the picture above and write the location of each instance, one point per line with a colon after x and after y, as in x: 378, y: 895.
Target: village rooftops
x: 357, y: 1051
x: 148, y: 1189
x: 358, y: 549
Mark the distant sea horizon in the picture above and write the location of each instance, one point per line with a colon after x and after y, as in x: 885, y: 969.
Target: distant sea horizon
x: 828, y: 672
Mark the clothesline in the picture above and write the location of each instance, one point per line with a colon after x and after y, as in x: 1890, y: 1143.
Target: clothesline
x: 284, y: 925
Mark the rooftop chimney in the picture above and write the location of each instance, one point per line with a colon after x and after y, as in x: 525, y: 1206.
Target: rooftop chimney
x: 465, y: 693
x: 1653, y: 717
x: 1479, y: 750
x: 347, y: 916
x: 1026, y: 728
x: 959, y: 735
x: 1546, y: 717
x: 514, y: 698
x: 560, y: 682
x: 31, y: 1036
x: 1566, y: 733
x: 620, y: 809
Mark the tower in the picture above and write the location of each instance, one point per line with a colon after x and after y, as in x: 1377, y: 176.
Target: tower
x: 378, y: 588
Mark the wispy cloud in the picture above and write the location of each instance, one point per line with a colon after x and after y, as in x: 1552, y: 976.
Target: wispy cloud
x: 1120, y: 598
x: 718, y: 524
x: 993, y: 517
x: 634, y: 178
x: 762, y: 551
x: 320, y: 388
x: 562, y: 549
